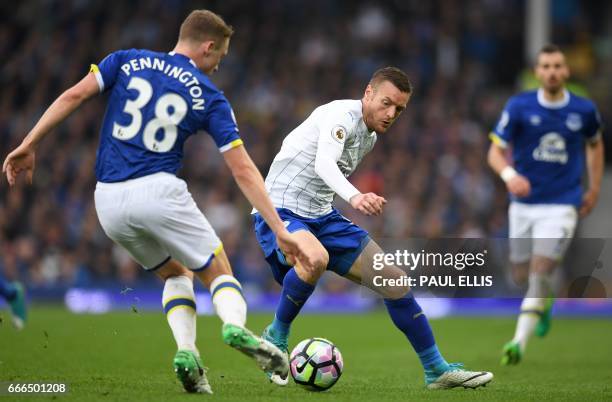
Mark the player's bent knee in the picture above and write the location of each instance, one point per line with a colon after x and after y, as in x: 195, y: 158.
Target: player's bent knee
x: 319, y: 257
x: 313, y: 272
x: 543, y: 264
x: 396, y: 292
x: 393, y: 289
x: 219, y: 265
x: 173, y: 268
x: 321, y: 260
x: 520, y: 273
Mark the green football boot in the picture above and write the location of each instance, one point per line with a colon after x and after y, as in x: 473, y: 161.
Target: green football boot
x: 543, y: 325
x: 267, y: 356
x: 511, y: 354
x: 191, y: 372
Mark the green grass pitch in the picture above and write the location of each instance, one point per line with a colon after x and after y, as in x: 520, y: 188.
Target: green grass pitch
x: 127, y: 357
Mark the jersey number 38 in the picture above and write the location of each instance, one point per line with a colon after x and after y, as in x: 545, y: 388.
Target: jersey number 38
x: 164, y: 119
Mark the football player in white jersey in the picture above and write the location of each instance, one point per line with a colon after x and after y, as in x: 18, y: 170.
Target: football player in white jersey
x: 311, y: 167
x: 549, y: 130
x: 156, y: 101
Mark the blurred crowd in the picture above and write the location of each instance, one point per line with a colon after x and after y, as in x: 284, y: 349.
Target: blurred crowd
x: 465, y: 58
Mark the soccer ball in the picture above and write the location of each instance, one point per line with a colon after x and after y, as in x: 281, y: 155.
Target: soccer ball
x: 316, y: 364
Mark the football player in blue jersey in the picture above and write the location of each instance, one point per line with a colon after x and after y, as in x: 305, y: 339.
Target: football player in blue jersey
x: 14, y: 295
x: 551, y: 132
x: 156, y: 101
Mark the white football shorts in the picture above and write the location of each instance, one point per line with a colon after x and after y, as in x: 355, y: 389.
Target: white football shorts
x: 540, y: 229
x: 155, y: 218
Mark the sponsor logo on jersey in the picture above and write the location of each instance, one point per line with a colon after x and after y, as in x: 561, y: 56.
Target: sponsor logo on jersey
x: 574, y: 121
x: 551, y: 149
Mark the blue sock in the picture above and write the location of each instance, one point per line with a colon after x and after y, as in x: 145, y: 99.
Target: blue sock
x: 280, y: 328
x: 408, y: 317
x: 7, y: 290
x: 431, y: 359
x: 294, y: 295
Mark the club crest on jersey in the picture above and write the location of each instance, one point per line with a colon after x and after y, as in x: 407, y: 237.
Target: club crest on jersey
x: 551, y: 149
x: 339, y: 134
x: 535, y: 120
x: 574, y: 121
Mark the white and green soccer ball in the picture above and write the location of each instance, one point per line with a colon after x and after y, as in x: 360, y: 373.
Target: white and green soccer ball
x: 316, y: 364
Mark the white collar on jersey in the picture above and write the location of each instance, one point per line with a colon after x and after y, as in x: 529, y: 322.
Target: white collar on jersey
x: 362, y: 125
x: 172, y: 53
x: 363, y: 128
x: 553, y: 105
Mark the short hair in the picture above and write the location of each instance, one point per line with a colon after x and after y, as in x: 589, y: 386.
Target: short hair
x: 548, y: 49
x: 395, y: 76
x: 203, y: 25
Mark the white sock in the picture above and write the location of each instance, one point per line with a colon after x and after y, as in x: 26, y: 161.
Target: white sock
x: 540, y: 285
x: 178, y: 300
x: 228, y: 300
x: 531, y: 307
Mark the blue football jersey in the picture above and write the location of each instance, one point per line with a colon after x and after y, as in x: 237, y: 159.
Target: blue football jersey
x: 156, y: 101
x: 548, y: 141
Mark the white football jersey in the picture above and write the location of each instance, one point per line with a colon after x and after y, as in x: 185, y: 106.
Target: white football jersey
x: 292, y: 181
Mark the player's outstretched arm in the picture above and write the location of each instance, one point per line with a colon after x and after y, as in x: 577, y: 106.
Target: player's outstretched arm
x: 327, y: 169
x: 251, y: 183
x: 595, y: 164
x: 516, y: 183
x: 22, y: 159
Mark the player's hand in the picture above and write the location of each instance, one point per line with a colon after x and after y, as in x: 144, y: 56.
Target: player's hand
x: 369, y: 203
x: 589, y: 199
x: 22, y: 159
x: 519, y: 186
x: 292, y: 250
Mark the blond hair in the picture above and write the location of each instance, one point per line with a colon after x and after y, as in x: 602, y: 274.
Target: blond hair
x: 203, y: 25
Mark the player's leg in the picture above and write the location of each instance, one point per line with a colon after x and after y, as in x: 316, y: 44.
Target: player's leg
x: 231, y: 308
x: 178, y: 299
x: 534, y: 304
x: 410, y: 319
x: 512, y: 352
x: 353, y: 257
x: 184, y: 232
x: 123, y: 223
x: 553, y: 234
x: 298, y: 284
x: 225, y: 289
x: 520, y: 272
x: 179, y: 303
x: 553, y: 228
x: 401, y: 305
x: 520, y: 219
x: 14, y: 295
